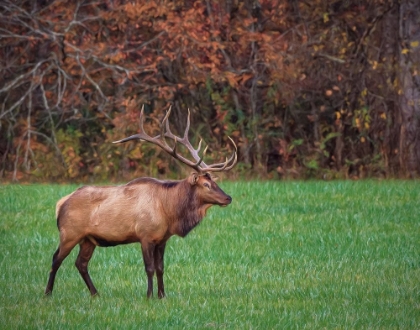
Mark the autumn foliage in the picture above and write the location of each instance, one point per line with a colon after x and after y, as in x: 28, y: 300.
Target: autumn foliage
x: 306, y: 89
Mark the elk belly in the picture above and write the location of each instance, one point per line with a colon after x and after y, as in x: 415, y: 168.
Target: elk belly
x: 99, y: 241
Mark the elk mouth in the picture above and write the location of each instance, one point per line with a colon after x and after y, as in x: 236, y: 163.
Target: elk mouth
x: 226, y: 202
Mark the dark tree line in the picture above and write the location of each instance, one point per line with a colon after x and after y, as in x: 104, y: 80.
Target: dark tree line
x: 306, y: 89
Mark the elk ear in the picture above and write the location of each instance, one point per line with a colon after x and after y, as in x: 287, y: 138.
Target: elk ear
x: 193, y: 178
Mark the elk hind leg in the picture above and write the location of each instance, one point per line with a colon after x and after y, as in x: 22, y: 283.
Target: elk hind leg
x: 82, y: 261
x: 60, y: 254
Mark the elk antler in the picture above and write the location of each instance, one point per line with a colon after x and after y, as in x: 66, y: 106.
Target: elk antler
x: 160, y: 140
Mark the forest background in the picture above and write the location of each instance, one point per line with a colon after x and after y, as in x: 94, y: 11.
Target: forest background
x: 306, y: 89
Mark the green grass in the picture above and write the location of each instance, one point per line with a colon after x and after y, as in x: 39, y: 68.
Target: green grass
x: 284, y: 255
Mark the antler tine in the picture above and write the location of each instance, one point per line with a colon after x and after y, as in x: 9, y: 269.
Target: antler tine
x: 234, y: 156
x: 141, y: 135
x: 201, y: 159
x: 187, y: 128
x: 224, y: 166
x: 199, y: 146
x: 165, y: 131
x: 186, y: 143
x: 165, y: 125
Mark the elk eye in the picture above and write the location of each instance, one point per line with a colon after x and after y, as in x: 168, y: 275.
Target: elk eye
x: 206, y: 185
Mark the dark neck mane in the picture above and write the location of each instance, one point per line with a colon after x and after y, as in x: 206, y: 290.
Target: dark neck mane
x: 183, y: 202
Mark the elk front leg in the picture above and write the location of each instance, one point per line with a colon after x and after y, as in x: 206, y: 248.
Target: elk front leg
x: 149, y: 265
x: 159, y: 252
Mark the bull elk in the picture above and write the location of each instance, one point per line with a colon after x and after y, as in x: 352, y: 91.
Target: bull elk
x: 145, y: 210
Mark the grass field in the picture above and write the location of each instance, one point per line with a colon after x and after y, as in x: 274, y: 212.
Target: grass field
x: 284, y: 255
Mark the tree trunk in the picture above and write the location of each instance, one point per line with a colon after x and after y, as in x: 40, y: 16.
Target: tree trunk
x: 409, y: 76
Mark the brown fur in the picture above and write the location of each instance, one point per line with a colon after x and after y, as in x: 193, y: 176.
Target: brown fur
x: 144, y: 210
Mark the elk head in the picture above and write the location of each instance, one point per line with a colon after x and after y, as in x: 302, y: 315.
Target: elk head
x: 208, y: 191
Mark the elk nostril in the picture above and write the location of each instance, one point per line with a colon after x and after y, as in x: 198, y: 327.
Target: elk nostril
x: 228, y: 199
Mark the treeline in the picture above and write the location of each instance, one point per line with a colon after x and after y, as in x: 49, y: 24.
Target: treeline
x: 322, y: 89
